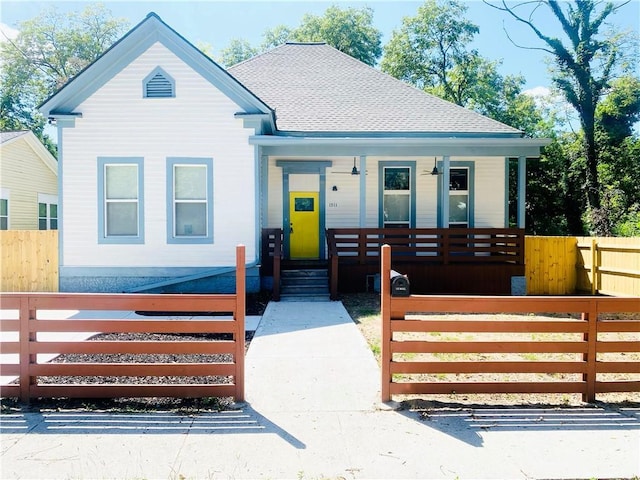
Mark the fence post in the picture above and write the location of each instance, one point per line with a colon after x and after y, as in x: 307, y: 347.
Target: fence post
x: 385, y: 306
x: 25, y: 337
x: 239, y: 320
x: 591, y: 337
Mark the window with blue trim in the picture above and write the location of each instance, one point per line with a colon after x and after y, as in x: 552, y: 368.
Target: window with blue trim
x: 459, y: 197
x: 158, y: 84
x: 190, y: 200
x: 397, y: 190
x: 120, y: 197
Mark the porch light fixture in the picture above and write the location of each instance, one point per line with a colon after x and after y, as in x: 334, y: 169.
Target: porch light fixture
x: 354, y: 170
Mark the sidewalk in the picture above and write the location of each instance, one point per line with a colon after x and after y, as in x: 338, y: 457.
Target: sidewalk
x: 312, y: 413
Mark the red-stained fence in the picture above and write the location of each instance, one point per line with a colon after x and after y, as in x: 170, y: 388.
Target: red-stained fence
x: 408, y: 338
x: 198, y: 335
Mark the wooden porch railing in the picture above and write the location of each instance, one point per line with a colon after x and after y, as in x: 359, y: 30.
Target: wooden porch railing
x: 38, y: 314
x: 272, y: 249
x: 399, y: 354
x: 428, y: 246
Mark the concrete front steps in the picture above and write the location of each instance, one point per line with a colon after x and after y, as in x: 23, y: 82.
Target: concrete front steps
x: 304, y: 285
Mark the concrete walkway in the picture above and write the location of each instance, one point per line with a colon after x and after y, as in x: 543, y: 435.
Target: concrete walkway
x: 312, y: 390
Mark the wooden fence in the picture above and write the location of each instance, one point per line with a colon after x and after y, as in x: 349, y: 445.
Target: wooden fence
x: 438, y: 260
x: 39, y: 316
x: 608, y: 265
x: 29, y: 261
x: 589, y: 339
x: 569, y: 265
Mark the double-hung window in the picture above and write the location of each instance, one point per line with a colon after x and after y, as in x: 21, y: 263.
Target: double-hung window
x: 397, y: 189
x: 190, y: 200
x: 47, y: 212
x: 459, y: 197
x: 121, y: 194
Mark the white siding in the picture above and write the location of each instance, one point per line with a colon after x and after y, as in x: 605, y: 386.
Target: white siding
x: 343, y: 205
x: 198, y: 122
x: 25, y: 175
x: 274, y: 208
x: 489, y: 194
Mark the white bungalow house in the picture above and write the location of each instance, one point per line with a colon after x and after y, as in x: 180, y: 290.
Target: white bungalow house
x: 28, y: 183
x: 167, y: 161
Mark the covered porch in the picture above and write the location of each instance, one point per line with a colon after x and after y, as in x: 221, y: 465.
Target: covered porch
x: 481, y: 261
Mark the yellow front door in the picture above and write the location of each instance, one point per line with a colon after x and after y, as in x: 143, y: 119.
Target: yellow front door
x: 304, y: 236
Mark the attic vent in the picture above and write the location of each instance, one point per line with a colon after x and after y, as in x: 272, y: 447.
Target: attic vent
x: 159, y: 84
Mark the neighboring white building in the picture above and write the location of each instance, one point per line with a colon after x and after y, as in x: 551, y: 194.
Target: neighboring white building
x: 28, y: 183
x: 168, y: 161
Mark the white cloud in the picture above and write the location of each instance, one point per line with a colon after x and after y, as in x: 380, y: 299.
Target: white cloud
x: 538, y: 92
x: 7, y: 32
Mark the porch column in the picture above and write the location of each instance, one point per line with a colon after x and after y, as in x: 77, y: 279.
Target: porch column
x: 363, y: 191
x: 445, y: 191
x: 522, y: 187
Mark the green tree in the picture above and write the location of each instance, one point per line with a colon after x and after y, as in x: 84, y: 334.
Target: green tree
x: 350, y: 30
x: 585, y: 62
x: 274, y: 37
x: 431, y: 51
x: 49, y: 50
x: 237, y: 51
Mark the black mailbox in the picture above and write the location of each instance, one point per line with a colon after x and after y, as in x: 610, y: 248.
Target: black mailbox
x: 399, y: 285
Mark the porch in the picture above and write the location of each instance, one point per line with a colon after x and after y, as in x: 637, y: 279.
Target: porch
x: 476, y: 261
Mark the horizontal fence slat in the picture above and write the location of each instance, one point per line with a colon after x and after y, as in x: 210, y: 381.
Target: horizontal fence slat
x: 619, y: 326
x: 559, y: 326
x: 612, y: 346
x: 10, y: 347
x: 10, y: 369
x: 133, y: 369
x: 480, y: 304
x: 140, y: 302
x: 134, y: 326
x: 9, y: 325
x: 120, y: 390
x: 9, y: 391
x: 486, y: 387
x: 617, y: 386
x: 409, y: 346
x: 618, y: 367
x: 488, y: 367
x: 135, y: 347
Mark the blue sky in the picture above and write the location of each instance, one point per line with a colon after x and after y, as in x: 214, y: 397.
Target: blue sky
x: 217, y: 22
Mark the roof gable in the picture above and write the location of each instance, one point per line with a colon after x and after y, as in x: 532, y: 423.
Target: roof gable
x: 9, y: 138
x: 314, y: 87
x: 151, y: 30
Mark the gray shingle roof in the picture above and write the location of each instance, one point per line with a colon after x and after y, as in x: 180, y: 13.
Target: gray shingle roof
x: 316, y: 88
x: 6, y: 136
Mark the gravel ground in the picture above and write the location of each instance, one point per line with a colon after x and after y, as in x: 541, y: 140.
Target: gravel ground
x: 256, y: 303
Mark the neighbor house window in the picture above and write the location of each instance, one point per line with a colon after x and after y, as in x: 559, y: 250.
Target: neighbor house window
x: 47, y: 212
x: 4, y: 214
x: 459, y: 197
x: 120, y: 192
x: 158, y: 84
x: 397, y: 187
x: 190, y: 200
